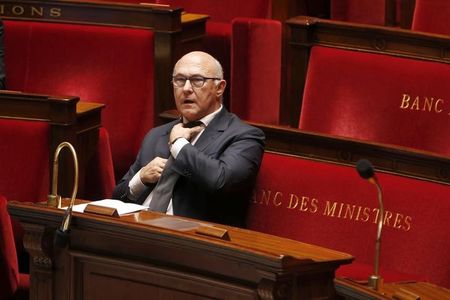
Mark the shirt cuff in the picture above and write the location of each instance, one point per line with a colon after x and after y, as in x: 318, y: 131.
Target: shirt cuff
x: 177, y: 146
x: 136, y: 186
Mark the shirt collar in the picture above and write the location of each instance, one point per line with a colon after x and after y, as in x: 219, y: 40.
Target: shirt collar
x: 208, y: 118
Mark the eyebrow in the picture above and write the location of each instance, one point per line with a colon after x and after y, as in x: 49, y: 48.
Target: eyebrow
x: 187, y: 76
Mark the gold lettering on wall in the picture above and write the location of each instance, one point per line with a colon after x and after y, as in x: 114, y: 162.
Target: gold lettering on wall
x: 387, y: 218
x: 293, y: 199
x: 268, y: 198
x: 55, y: 12
x: 375, y: 212
x: 349, y: 211
x: 17, y: 10
x: 303, y: 203
x: 34, y: 11
x: 397, y: 221
x: 408, y: 221
x: 330, y: 209
x: 366, y: 213
x: 426, y: 104
x: 314, y: 205
x: 405, y: 101
x: 277, y: 199
x: 438, y: 106
x: 415, y: 104
x: 37, y: 11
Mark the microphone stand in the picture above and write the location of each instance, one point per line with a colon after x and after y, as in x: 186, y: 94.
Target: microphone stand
x: 375, y: 280
x: 54, y: 200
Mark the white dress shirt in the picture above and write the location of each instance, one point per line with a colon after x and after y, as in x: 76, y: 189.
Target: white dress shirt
x: 137, y: 186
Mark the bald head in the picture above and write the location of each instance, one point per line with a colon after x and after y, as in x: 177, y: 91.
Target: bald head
x: 207, y: 63
x: 198, y: 85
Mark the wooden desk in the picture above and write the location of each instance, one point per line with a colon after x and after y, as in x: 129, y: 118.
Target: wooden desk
x: 153, y: 254
x: 401, y: 290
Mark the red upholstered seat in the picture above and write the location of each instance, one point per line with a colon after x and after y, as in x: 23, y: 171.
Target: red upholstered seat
x: 377, y: 98
x: 330, y: 205
x: 103, y: 64
x: 225, y: 11
x: 24, y: 161
x: 359, y: 11
x: 13, y: 285
x: 100, y: 181
x: 219, y: 27
x: 256, y: 69
x: 432, y: 16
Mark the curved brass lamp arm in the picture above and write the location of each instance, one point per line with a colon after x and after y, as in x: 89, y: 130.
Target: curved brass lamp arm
x: 54, y: 199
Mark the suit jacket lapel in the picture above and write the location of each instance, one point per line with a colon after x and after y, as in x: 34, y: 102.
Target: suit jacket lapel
x: 214, y: 130
x: 162, y: 146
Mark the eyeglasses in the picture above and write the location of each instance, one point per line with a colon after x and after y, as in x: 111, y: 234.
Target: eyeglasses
x: 196, y: 81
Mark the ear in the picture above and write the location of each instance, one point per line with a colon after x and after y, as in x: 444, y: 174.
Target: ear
x: 221, y: 88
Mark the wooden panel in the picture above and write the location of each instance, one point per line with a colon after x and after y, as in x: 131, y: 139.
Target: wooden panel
x: 392, y: 159
x: 164, y: 256
x: 120, y: 279
x: 350, y: 290
x: 155, y: 17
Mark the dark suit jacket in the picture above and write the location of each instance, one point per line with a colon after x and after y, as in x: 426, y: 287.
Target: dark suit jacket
x: 217, y: 174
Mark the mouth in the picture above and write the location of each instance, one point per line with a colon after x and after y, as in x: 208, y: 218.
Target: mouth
x: 188, y: 101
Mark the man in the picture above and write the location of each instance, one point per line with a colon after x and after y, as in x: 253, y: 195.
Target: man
x: 214, y: 163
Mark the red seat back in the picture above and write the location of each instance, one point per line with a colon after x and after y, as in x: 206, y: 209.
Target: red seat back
x: 330, y: 205
x: 219, y: 28
x: 100, y: 182
x: 432, y: 16
x: 378, y: 98
x: 9, y: 272
x: 256, y: 69
x: 103, y: 64
x: 224, y: 11
x: 24, y: 161
x: 359, y: 11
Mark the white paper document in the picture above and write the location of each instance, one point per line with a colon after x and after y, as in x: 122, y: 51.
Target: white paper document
x: 121, y: 207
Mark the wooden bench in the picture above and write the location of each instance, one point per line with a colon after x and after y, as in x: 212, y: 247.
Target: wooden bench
x: 381, y: 83
x: 328, y: 204
x: 93, y: 62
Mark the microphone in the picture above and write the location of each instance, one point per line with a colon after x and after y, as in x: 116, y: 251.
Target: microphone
x: 62, y: 233
x: 366, y: 171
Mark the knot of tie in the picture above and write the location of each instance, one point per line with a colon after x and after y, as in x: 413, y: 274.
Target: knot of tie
x: 193, y: 124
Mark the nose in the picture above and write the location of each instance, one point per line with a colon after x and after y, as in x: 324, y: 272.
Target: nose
x: 187, y: 86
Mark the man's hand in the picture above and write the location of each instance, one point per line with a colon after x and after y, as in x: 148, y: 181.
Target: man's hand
x: 179, y: 131
x: 152, y: 171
